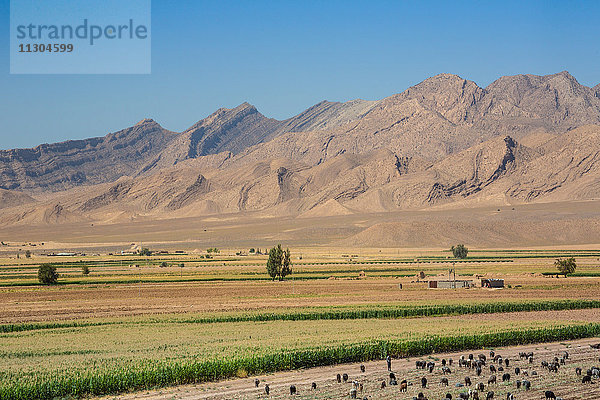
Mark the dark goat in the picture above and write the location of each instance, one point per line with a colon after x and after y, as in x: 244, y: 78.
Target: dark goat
x: 549, y: 395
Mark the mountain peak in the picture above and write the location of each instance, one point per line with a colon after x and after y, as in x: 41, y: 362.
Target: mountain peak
x: 146, y: 121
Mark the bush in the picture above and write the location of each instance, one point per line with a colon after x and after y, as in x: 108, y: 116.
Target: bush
x: 145, y: 252
x: 85, y: 270
x: 47, y: 274
x: 28, y: 254
x: 459, y: 251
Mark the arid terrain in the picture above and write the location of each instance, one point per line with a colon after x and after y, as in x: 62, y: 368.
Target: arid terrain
x: 515, y: 163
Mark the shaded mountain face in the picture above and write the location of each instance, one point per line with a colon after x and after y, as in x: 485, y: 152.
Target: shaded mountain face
x: 445, y: 140
x: 59, y: 166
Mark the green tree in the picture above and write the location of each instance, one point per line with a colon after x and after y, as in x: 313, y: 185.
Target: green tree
x: 274, y: 262
x: 565, y: 266
x: 145, y: 252
x: 47, y: 274
x: 459, y: 251
x: 279, y: 264
x: 85, y: 270
x: 286, y: 266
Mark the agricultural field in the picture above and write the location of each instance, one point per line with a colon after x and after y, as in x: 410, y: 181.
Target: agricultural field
x: 564, y: 383
x: 138, y: 323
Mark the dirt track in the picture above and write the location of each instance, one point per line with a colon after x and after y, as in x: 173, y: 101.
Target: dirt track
x: 565, y: 383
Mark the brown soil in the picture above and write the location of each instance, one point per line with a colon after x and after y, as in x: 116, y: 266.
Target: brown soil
x: 69, y: 302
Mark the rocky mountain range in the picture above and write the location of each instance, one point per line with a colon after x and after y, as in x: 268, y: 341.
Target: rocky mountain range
x: 445, y: 142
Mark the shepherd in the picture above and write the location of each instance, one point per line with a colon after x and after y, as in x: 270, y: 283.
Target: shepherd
x: 389, y: 362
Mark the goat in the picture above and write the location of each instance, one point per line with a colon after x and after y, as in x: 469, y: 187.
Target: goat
x: 345, y: 377
x: 313, y: 386
x: 293, y: 389
x: 586, y: 379
x: 526, y: 385
x: 403, y: 386
x: 492, y: 379
x: 423, y: 382
x: 339, y: 378
x: 444, y: 381
x: 256, y: 383
x: 467, y: 381
x: 506, y: 377
x: 267, y: 389
x: 550, y: 395
x: 362, y: 368
x: 490, y: 396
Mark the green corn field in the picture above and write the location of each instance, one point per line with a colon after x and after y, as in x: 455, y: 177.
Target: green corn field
x: 360, y: 312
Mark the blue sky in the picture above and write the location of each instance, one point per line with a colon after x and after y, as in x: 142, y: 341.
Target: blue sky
x: 284, y: 56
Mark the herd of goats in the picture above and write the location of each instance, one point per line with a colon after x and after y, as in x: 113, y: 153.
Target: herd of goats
x: 498, y: 366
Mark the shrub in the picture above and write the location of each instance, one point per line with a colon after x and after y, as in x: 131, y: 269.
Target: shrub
x: 85, y: 270
x: 47, y: 274
x: 145, y: 252
x: 28, y: 254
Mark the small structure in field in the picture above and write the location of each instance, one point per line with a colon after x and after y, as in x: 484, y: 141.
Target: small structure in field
x: 492, y: 283
x: 452, y: 284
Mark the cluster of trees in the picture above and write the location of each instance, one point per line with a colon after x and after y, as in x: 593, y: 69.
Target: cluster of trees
x: 279, y: 264
x: 145, y: 252
x: 213, y: 250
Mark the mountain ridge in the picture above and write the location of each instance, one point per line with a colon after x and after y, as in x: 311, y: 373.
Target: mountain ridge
x: 444, y: 141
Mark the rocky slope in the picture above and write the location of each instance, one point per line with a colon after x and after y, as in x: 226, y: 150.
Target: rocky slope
x: 445, y: 142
